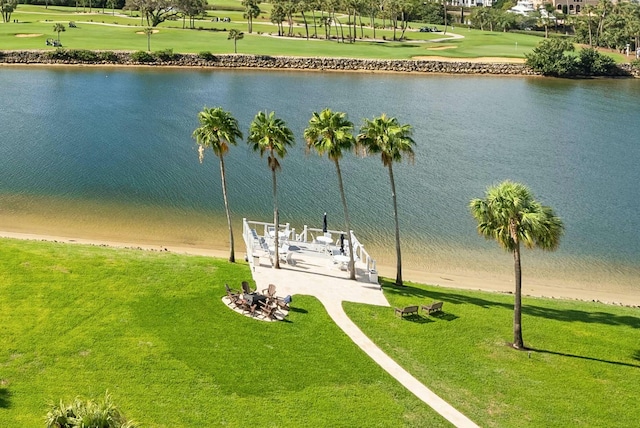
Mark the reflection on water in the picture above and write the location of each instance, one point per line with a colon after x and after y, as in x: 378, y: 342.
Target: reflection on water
x: 108, y: 153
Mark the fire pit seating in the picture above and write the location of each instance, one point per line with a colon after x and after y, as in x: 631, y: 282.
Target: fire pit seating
x: 252, y: 303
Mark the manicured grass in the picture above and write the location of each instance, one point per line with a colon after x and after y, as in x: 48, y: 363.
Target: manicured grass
x: 96, y: 30
x: 583, y: 369
x: 109, y: 32
x: 150, y: 327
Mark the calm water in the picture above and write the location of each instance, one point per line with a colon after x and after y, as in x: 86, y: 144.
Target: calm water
x: 108, y: 153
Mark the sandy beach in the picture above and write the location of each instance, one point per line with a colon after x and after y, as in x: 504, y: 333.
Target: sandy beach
x: 560, y: 289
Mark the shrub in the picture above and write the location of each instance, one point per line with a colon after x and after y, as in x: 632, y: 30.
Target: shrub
x: 593, y: 63
x: 59, y: 53
x: 83, y: 55
x: 635, y: 63
x: 165, y: 55
x: 142, y: 57
x: 551, y: 58
x: 207, y: 56
x: 87, y: 413
x: 108, y: 56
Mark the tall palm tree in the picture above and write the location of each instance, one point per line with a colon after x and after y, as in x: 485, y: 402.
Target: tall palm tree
x: 330, y: 133
x: 149, y: 32
x: 510, y: 215
x: 235, y: 35
x: 218, y: 128
x: 392, y: 140
x: 270, y: 134
x: 58, y: 28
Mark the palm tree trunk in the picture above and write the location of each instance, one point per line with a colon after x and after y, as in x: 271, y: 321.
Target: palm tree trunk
x: 276, y: 263
x: 232, y: 256
x: 315, y: 25
x: 518, y: 343
x: 306, y: 26
x: 352, y: 270
x: 373, y: 25
x: 395, y: 216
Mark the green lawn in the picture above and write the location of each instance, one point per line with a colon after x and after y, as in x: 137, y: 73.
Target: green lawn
x: 150, y: 327
x: 584, y: 370
x: 118, y: 32
x: 105, y: 31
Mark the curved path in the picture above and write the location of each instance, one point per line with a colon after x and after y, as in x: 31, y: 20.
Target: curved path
x: 332, y: 290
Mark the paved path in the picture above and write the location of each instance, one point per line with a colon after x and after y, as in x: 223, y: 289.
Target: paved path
x: 327, y: 286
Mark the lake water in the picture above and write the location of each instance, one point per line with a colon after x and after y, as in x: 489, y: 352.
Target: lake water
x: 107, y: 153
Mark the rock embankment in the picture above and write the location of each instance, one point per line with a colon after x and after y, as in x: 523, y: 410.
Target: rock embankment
x: 70, y: 57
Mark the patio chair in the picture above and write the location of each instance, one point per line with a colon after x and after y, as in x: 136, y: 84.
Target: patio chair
x: 239, y: 302
x: 270, y: 292
x: 283, y: 303
x: 250, y: 309
x: 231, y: 290
x: 246, y: 288
x: 269, y: 311
x: 232, y: 295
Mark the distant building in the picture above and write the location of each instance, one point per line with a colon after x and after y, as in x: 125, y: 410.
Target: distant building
x: 523, y: 7
x: 572, y: 6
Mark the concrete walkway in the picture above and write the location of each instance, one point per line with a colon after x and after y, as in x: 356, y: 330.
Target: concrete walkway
x: 332, y: 287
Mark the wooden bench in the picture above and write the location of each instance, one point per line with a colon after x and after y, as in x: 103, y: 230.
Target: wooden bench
x: 434, y: 307
x: 407, y: 310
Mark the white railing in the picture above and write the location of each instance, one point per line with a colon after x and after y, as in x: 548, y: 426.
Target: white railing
x: 258, y: 243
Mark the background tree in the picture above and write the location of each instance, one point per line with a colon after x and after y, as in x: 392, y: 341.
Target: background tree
x: 270, y: 134
x: 58, y: 28
x: 385, y: 136
x: 303, y: 6
x: 218, y: 129
x: 331, y: 133
x: 251, y: 11
x: 509, y: 214
x: 235, y: 35
x: 7, y: 7
x: 277, y: 16
x: 551, y: 57
x: 148, y: 31
x: 154, y: 11
x: 191, y: 9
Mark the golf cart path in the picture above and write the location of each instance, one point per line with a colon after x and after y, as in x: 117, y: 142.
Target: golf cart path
x: 332, y: 291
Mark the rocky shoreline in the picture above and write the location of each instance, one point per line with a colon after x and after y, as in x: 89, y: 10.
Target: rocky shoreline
x: 81, y: 57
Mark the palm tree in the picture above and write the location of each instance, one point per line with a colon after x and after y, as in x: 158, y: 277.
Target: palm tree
x: 270, y: 134
x: 330, y: 133
x: 58, y: 28
x: 148, y: 31
x: 510, y: 215
x: 251, y: 10
x: 235, y: 35
x: 218, y: 129
x: 386, y: 136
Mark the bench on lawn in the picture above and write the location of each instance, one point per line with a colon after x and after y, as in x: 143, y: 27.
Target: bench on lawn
x: 407, y: 310
x: 434, y: 307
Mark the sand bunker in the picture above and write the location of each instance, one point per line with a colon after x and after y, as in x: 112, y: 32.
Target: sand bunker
x: 152, y: 31
x: 28, y: 35
x: 441, y: 48
x: 487, y: 59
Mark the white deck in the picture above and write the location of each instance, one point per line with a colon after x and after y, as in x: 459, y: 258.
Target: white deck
x: 315, y: 271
